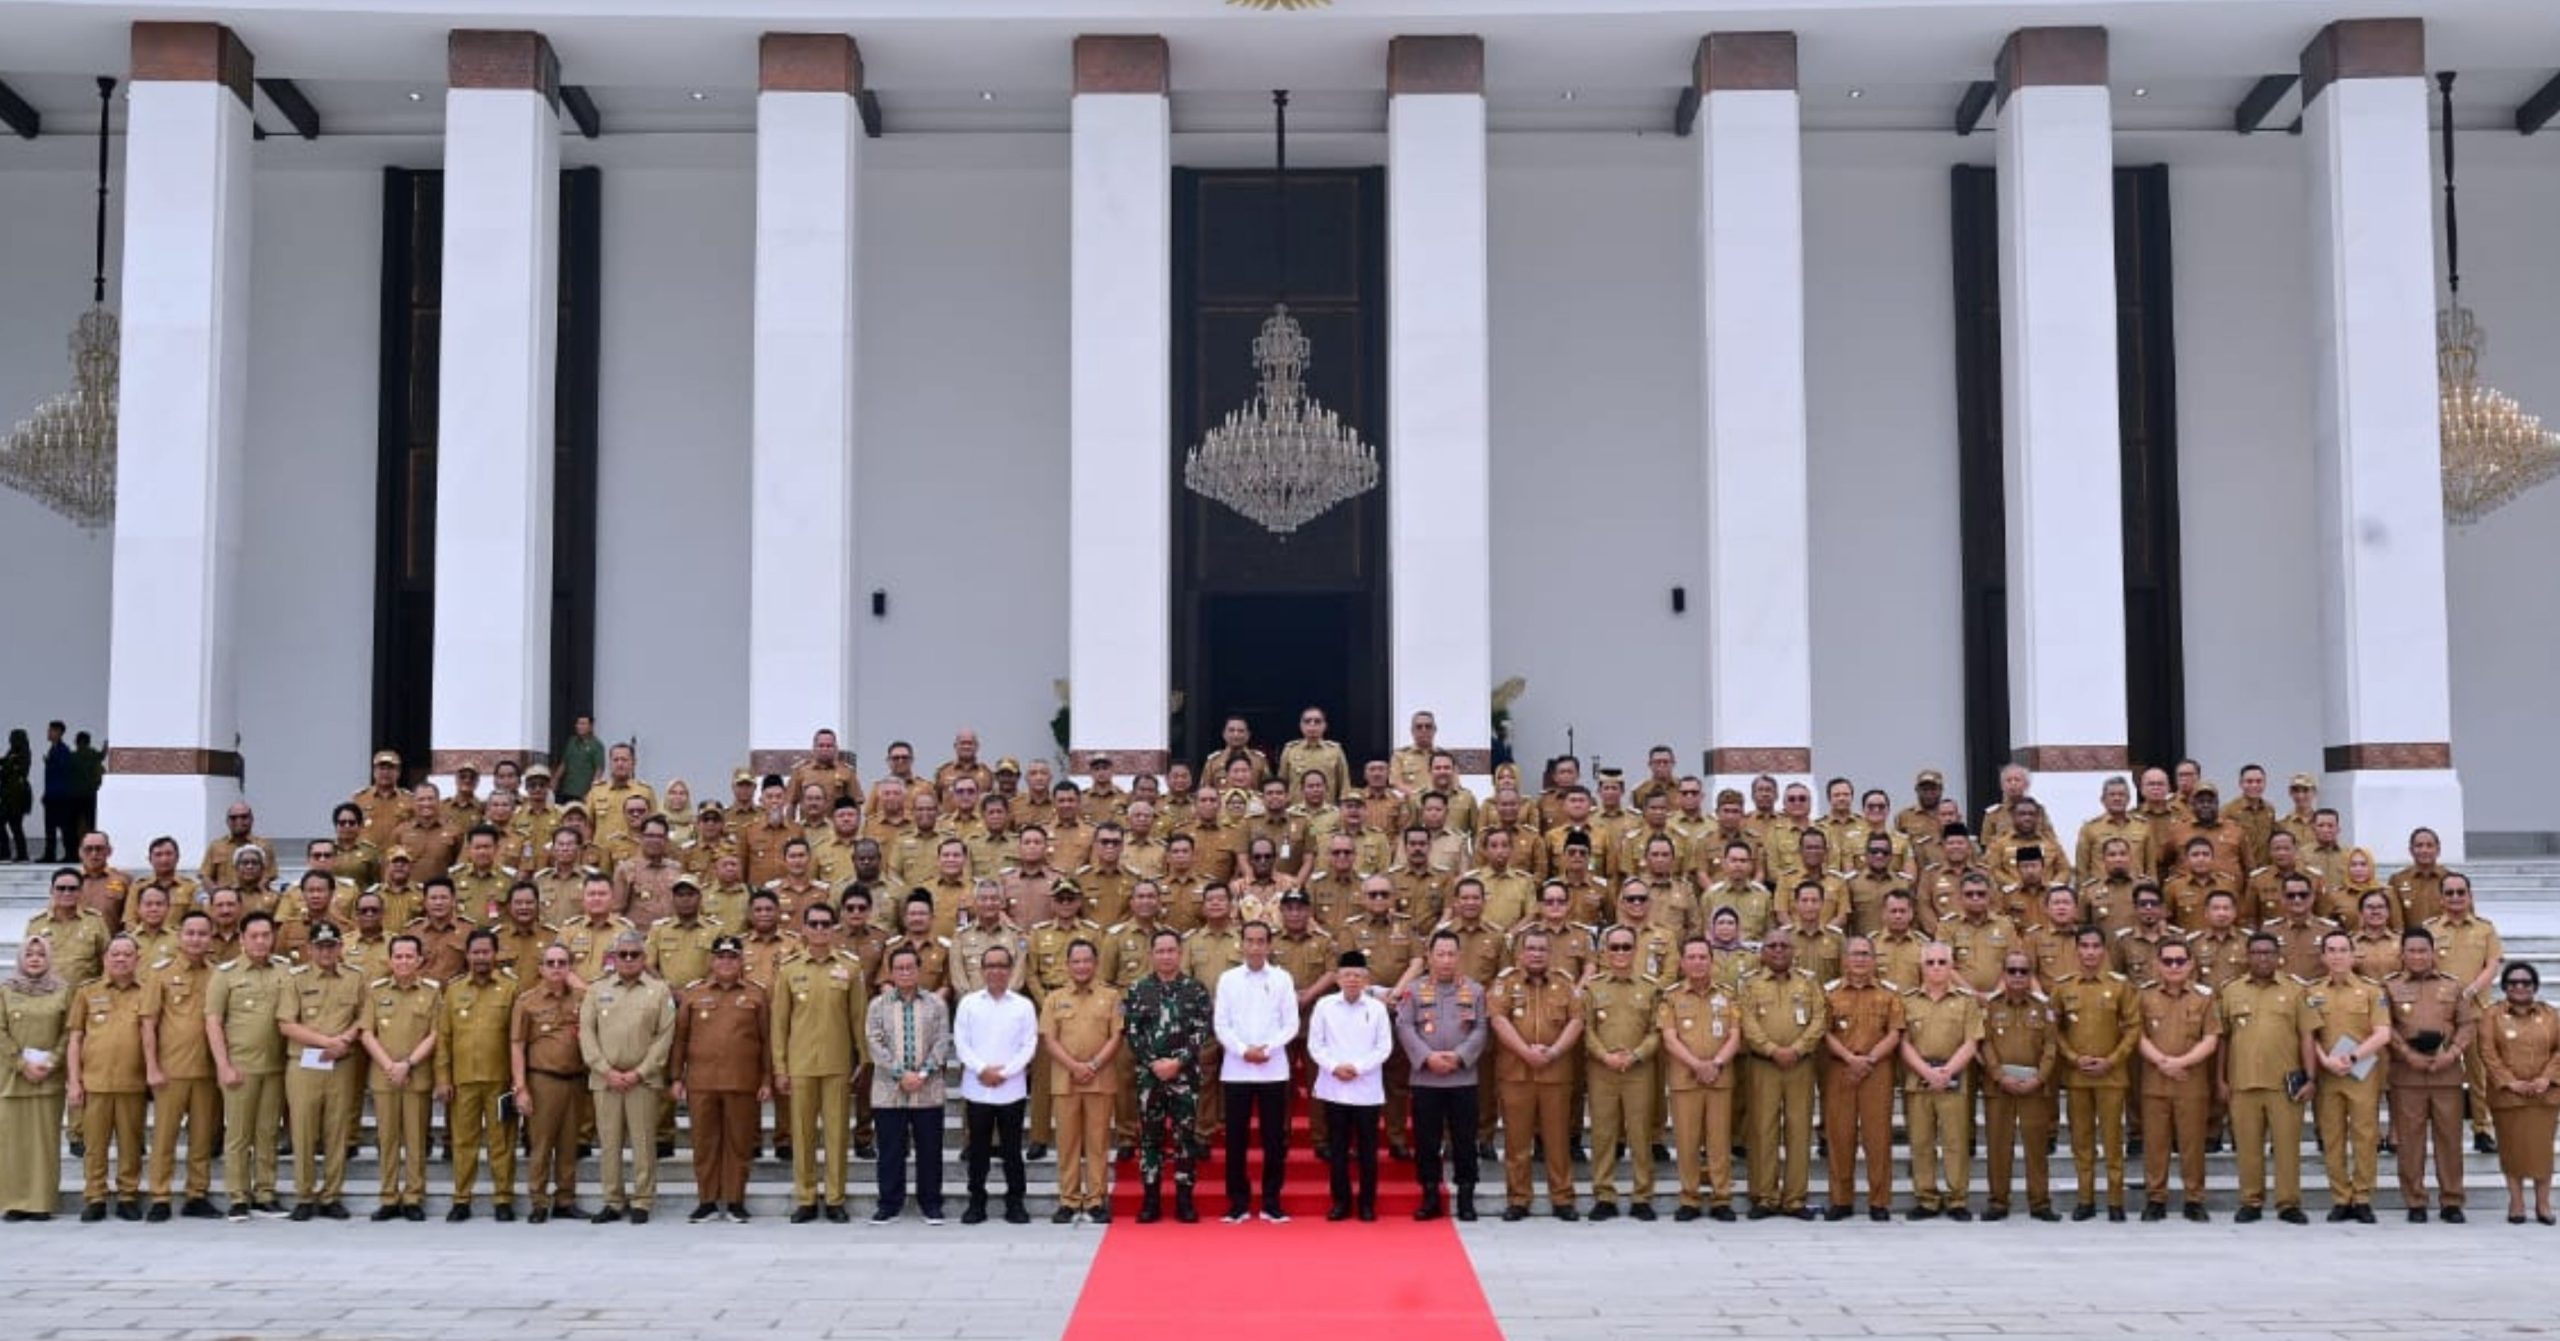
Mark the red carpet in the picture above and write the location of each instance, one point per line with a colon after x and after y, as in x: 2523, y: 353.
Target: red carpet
x: 1395, y: 1273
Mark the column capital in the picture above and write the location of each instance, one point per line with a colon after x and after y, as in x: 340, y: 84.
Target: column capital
x: 1131, y: 63
x: 499, y: 58
x: 1737, y: 62
x: 2051, y: 56
x: 1435, y: 65
x: 2364, y: 49
x: 193, y: 53
x: 808, y: 63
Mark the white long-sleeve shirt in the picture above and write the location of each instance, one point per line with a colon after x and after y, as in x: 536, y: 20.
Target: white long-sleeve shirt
x: 1002, y: 1032
x: 1256, y: 1008
x: 1354, y: 1033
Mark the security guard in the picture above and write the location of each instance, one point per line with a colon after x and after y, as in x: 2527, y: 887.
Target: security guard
x: 1619, y: 1041
x: 818, y: 1003
x: 321, y: 1016
x: 1784, y: 1019
x: 2100, y: 1024
x: 397, y: 1027
x: 1938, y: 1047
x: 472, y: 1075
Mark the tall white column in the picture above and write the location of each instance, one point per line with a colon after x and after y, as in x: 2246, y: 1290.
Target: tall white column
x: 1439, y: 431
x: 495, y: 434
x: 2059, y: 433
x: 2388, y: 719
x: 800, y: 618
x: 1759, y: 616
x: 172, y: 691
x: 1119, y: 425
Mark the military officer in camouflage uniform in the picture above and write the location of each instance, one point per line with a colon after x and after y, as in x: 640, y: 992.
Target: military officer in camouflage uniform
x: 1167, y: 1017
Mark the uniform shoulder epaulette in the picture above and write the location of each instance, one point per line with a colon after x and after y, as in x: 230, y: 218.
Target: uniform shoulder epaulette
x: 2038, y: 997
x: 2200, y: 989
x: 163, y: 962
x: 432, y: 984
x: 698, y: 982
x: 299, y: 969
x: 1835, y: 984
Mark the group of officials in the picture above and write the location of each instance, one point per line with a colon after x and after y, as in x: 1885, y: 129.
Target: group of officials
x: 1623, y: 973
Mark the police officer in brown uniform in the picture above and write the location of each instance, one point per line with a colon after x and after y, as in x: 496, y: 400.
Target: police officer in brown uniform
x: 473, y: 1076
x: 1784, y: 1020
x: 107, y: 1080
x: 2351, y: 1026
x: 550, y: 1084
x: 1858, y: 1081
x: 721, y: 1068
x: 2101, y: 1023
x: 2179, y: 1035
x: 2021, y: 1063
x: 2266, y: 1059
x: 1538, y: 1022
x: 398, y: 1031
x: 2435, y: 1027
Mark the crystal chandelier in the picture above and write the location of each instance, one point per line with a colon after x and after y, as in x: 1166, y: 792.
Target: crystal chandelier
x: 1282, y: 459
x: 2493, y: 449
x: 64, y: 454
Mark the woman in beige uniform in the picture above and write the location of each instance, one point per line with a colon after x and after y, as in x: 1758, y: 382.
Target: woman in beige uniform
x: 2520, y: 1046
x: 35, y: 1007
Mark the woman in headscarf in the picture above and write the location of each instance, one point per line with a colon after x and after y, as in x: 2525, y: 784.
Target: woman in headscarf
x: 2347, y: 891
x: 35, y: 1008
x: 2520, y: 1046
x: 676, y: 803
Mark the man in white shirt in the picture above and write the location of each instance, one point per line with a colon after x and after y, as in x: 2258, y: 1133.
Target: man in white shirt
x: 1349, y: 1037
x: 995, y: 1037
x: 1257, y: 1015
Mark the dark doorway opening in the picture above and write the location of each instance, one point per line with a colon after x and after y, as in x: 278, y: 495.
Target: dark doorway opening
x: 1264, y: 626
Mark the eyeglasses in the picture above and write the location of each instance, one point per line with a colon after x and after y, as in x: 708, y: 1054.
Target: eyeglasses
x: 2167, y: 962
x: 1621, y: 947
x: 2015, y: 972
x: 555, y: 963
x: 66, y: 889
x: 629, y: 954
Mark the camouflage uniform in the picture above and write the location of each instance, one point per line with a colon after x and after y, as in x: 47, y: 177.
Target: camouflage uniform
x: 1167, y: 1019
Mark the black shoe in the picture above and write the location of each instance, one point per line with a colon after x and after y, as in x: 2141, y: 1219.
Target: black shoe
x: 2417, y: 1215
x: 1467, y: 1207
x: 639, y: 1215
x: 1922, y: 1213
x: 1064, y: 1215
x: 1485, y: 1150
x: 835, y: 1214
x: 1368, y: 1215
x: 333, y: 1210
x: 1880, y: 1215
x: 2339, y: 1215
x: 866, y: 1150
x: 159, y: 1212
x: 1960, y: 1214
x: 1720, y: 1213
x: 1601, y: 1210
x: 2158, y: 1210
x: 1099, y: 1214
x: 1512, y: 1215
x: 1037, y: 1150
x: 271, y: 1208
x: 1430, y: 1209
x: 667, y: 1150
x: 1185, y: 1210
x: 2044, y: 1213
x: 804, y: 1214
x: 1273, y: 1215
x: 93, y: 1213
x: 702, y: 1212
x: 1760, y: 1212
x: 2293, y: 1215
x: 1337, y: 1214
x: 79, y: 1147
x: 2195, y: 1211
x: 2115, y: 1215
x: 129, y: 1209
x: 385, y: 1213
x: 2452, y: 1215
x: 2083, y: 1211
x: 461, y: 1211
x: 540, y: 1215
x: 738, y: 1212
x: 609, y: 1215
x: 1014, y: 1214
x: 1685, y: 1214
x: 1995, y: 1214
x: 1566, y: 1212
x: 2247, y: 1215
x: 303, y: 1212
x: 568, y: 1212
x: 2364, y: 1213
x: 976, y: 1214
x: 198, y: 1208
x: 1642, y: 1210
x: 416, y: 1215
x: 2484, y: 1143
x: 1836, y: 1214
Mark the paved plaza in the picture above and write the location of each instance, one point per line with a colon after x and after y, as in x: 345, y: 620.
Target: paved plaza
x: 479, y: 1282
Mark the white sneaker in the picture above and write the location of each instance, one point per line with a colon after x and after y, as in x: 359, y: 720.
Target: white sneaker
x: 933, y: 1217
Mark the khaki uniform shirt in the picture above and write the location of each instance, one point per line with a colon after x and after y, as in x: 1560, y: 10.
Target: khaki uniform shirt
x: 969, y: 947
x: 1980, y: 947
x: 246, y: 998
x: 1539, y: 1011
x: 1422, y: 897
x: 2262, y: 1026
x: 2436, y: 1005
x: 933, y: 962
x: 1208, y: 952
x: 1898, y: 957
x: 2221, y: 957
x: 1783, y: 1012
x: 1082, y: 1021
x: 722, y: 1043
x: 107, y: 1020
x: 2089, y: 854
x: 1618, y: 1016
x: 325, y: 1003
x: 1046, y: 966
x: 400, y: 1018
x: 1939, y: 1026
x: 545, y: 1025
x: 764, y: 954
x: 2176, y: 1022
x: 2466, y: 948
x: 79, y: 943
x: 627, y: 1026
x: 1863, y: 1016
x: 2135, y: 950
x: 173, y: 997
x: 2020, y: 1031
x: 589, y: 944
x: 471, y: 1030
x: 680, y: 951
x: 2347, y: 1009
x: 1702, y: 1021
x: 2101, y: 1017
x: 1389, y: 942
x: 818, y: 1007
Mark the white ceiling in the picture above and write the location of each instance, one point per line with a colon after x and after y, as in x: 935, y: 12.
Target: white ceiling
x: 984, y: 65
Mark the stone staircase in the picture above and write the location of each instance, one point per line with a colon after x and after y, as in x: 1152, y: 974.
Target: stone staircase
x: 2522, y: 896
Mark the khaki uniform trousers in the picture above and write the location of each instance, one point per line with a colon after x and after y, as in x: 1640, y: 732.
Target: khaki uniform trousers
x: 1941, y: 1123
x: 2097, y: 1126
x: 551, y: 1173
x: 1622, y: 1110
x: 1703, y: 1120
x: 2420, y: 1115
x: 2258, y: 1116
x: 1857, y: 1116
x: 1043, y: 1119
x: 322, y: 1107
x: 724, y: 1142
x: 475, y: 1117
x: 1084, y: 1147
x: 817, y: 1100
x: 2021, y: 1119
x: 630, y: 1115
x: 1781, y: 1106
x: 195, y: 1104
x: 404, y: 1124
x: 2475, y: 1073
x: 250, y: 1111
x: 2350, y: 1127
x: 1534, y: 1112
x: 117, y: 1118
x: 2174, y: 1120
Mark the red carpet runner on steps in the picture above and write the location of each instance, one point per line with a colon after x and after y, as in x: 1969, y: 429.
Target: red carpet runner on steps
x: 1175, y: 1280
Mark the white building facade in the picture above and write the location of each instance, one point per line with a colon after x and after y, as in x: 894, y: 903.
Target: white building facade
x: 887, y: 390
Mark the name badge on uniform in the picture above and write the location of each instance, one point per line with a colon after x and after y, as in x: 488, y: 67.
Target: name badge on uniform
x: 1801, y: 1017
x: 1715, y: 1027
